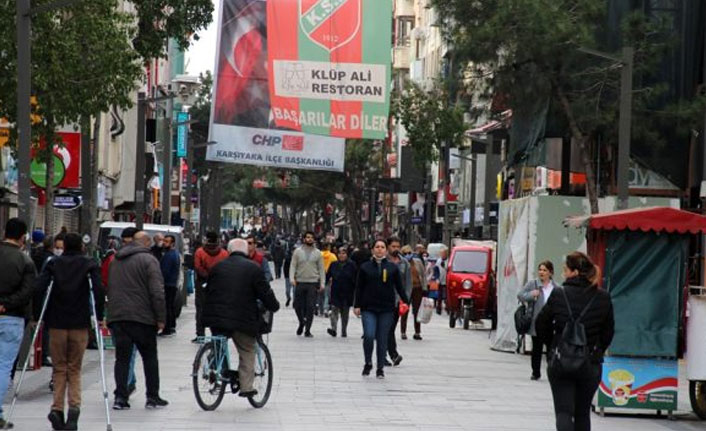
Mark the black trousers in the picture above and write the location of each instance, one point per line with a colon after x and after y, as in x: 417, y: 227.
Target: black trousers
x: 537, y: 347
x: 144, y: 337
x: 304, y: 303
x: 391, y: 341
x: 278, y: 268
x: 572, y: 399
x: 200, y: 298
x: 170, y: 293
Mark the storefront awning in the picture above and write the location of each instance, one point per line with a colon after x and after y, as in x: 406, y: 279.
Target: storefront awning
x: 656, y: 219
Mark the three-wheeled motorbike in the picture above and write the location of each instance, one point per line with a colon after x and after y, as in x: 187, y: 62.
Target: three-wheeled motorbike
x: 470, y: 281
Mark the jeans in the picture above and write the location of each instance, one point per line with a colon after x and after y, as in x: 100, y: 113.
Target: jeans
x: 322, y: 300
x: 67, y: 348
x: 344, y: 312
x: 376, y: 330
x: 144, y: 337
x: 304, y: 303
x: 537, y: 348
x: 170, y: 293
x: 11, y: 332
x: 288, y: 288
x: 572, y: 399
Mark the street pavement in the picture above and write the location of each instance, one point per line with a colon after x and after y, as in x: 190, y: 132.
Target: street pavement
x: 450, y: 380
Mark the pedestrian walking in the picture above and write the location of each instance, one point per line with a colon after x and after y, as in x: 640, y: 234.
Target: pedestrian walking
x: 16, y: 288
x: 231, y: 309
x: 287, y: 266
x: 535, y: 294
x: 439, y: 276
x: 378, y: 280
x: 579, y: 299
x: 136, y: 311
x: 205, y: 259
x: 278, y: 255
x: 394, y: 246
x: 170, y: 266
x: 322, y: 300
x: 50, y: 248
x: 68, y: 318
x: 257, y: 256
x: 341, y: 276
x: 361, y: 254
x: 308, y: 277
x: 419, y: 289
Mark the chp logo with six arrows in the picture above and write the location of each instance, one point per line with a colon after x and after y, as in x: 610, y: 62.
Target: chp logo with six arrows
x: 330, y: 24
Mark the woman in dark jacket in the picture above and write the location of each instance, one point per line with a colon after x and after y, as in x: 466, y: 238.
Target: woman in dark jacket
x: 573, y: 395
x: 68, y: 317
x: 342, y: 275
x: 378, y: 279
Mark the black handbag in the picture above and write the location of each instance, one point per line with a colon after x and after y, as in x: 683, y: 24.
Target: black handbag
x: 523, y: 318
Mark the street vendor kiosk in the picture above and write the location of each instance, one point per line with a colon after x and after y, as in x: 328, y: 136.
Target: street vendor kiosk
x: 644, y: 256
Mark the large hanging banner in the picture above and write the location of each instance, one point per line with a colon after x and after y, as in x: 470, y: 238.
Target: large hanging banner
x: 242, y: 119
x: 329, y: 66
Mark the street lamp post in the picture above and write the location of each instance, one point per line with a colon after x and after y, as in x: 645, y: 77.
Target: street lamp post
x: 624, y: 126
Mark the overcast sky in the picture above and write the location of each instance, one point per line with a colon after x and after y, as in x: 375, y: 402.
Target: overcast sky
x: 201, y: 56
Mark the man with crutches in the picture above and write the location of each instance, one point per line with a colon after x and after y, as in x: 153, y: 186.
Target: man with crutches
x: 16, y: 286
x: 68, y: 315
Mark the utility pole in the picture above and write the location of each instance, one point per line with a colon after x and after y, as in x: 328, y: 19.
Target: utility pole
x: 24, y: 126
x: 446, y: 234
x: 474, y: 185
x: 86, y: 177
x: 624, y: 129
x: 140, y: 162
x: 167, y: 165
x: 188, y: 227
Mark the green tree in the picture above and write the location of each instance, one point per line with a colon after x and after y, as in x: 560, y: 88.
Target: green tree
x: 528, y: 52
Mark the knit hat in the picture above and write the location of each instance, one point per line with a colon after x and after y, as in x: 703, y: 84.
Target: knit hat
x: 37, y: 236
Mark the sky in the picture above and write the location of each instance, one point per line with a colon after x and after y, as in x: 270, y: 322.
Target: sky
x: 201, y: 56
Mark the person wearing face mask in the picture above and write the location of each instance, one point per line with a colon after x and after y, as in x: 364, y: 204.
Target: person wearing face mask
x: 59, y: 245
x: 536, y: 293
x: 170, y: 266
x: 393, y: 250
x: 158, y: 247
x: 16, y: 288
x: 341, y: 274
x: 308, y: 277
x: 375, y: 301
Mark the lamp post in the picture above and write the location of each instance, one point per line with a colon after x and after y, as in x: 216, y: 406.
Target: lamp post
x: 625, y: 122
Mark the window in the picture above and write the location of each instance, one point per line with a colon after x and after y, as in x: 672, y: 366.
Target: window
x: 405, y: 24
x: 470, y: 262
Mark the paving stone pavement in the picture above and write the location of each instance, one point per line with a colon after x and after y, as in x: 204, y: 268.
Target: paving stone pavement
x: 450, y: 380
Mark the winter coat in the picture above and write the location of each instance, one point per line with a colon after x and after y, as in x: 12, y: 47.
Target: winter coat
x: 598, y: 321
x: 525, y: 295
x: 69, y: 302
x: 170, y: 267
x: 208, y: 257
x: 376, y: 286
x: 136, y: 287
x: 234, y: 287
x: 421, y: 272
x: 328, y: 258
x: 17, y: 281
x: 405, y: 276
x: 342, y: 276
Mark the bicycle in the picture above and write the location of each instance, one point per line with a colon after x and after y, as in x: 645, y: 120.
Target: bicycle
x: 212, y: 373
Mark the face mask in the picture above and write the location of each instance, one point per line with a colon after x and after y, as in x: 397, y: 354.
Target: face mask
x: 58, y: 251
x: 395, y: 253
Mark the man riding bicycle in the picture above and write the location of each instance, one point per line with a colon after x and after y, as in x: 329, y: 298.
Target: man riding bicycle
x: 235, y: 285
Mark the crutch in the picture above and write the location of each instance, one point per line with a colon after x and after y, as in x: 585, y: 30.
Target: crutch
x: 99, y: 340
x: 24, y: 367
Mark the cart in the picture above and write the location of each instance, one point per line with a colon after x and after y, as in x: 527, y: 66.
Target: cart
x: 643, y: 254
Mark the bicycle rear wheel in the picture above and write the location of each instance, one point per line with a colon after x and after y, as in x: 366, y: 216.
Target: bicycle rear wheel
x: 209, y: 387
x: 263, y: 375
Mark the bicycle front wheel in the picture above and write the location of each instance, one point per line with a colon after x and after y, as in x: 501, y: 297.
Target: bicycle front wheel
x: 263, y: 376
x: 209, y: 387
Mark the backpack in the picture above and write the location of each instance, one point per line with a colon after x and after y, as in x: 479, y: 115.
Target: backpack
x: 571, y: 354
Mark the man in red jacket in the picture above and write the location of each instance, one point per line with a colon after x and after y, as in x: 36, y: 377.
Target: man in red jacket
x: 205, y: 259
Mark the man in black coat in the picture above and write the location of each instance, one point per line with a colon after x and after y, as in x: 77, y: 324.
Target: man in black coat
x: 235, y: 285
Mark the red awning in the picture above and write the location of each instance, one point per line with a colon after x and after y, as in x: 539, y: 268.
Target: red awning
x: 657, y: 219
